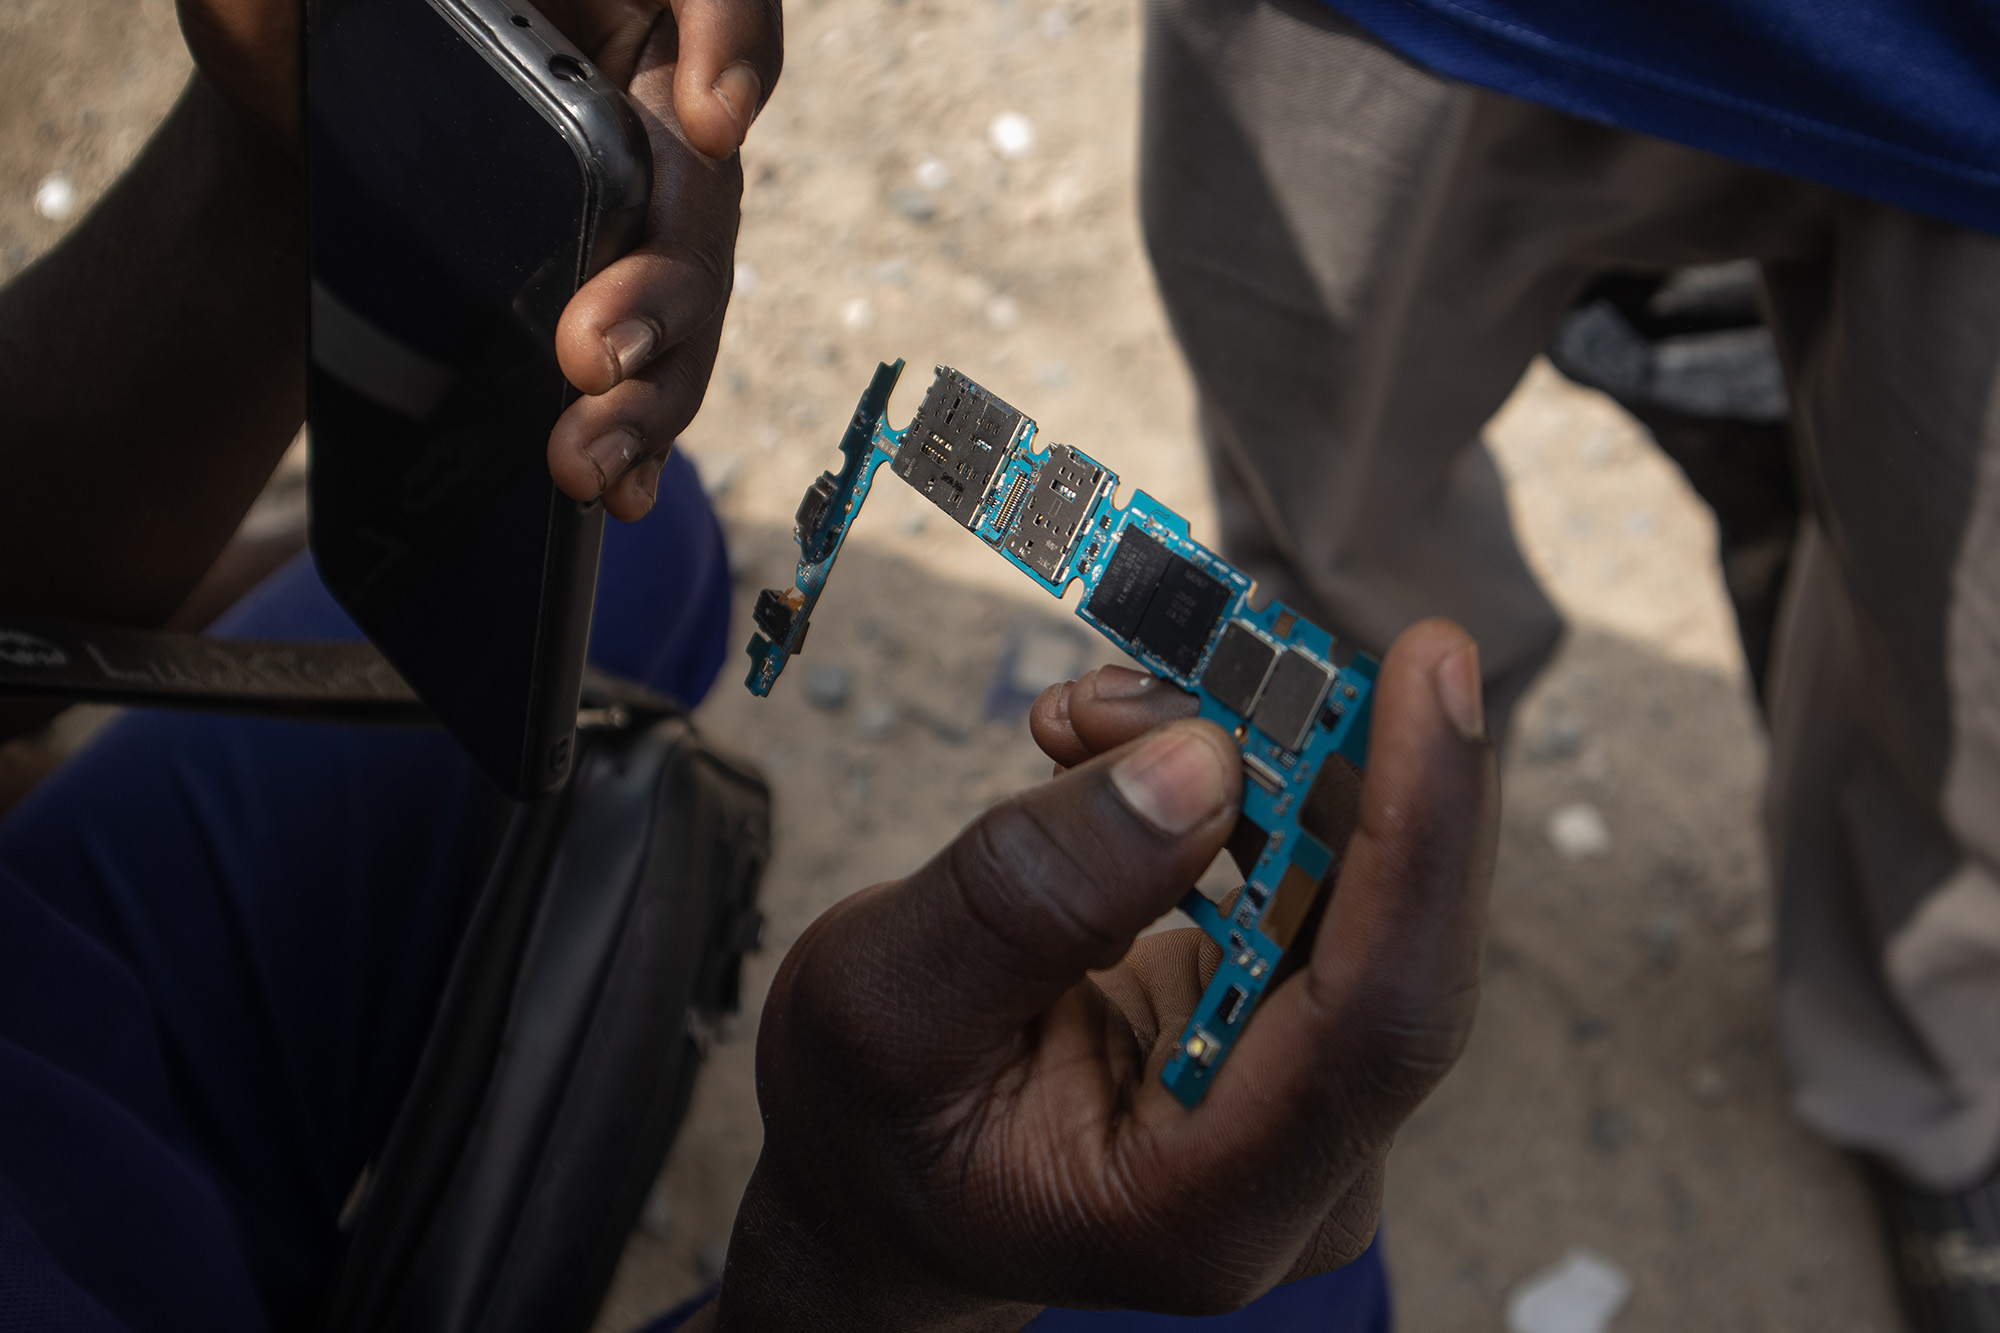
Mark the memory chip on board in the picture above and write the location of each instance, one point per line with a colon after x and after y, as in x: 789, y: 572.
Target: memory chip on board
x: 1291, y: 698
x: 1182, y: 614
x: 1237, y: 672
x: 1130, y: 576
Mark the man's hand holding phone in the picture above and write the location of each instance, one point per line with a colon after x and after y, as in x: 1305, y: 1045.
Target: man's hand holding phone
x: 639, y: 340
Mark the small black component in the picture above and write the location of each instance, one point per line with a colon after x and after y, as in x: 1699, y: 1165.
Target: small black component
x: 1181, y: 617
x: 813, y: 506
x: 857, y: 445
x: 1066, y: 486
x: 1292, y: 698
x: 1231, y: 1007
x: 1237, y: 671
x: 1120, y: 599
x: 1329, y: 716
x: 774, y: 612
x: 955, y: 444
x: 1332, y: 807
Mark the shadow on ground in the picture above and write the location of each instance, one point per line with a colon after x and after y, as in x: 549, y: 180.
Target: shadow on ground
x: 1622, y: 1087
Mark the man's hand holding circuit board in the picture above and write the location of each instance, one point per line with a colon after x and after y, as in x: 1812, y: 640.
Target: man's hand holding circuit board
x: 1267, y: 676
x: 981, y: 1090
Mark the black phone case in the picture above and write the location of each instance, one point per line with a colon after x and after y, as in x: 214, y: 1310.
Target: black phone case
x: 433, y: 518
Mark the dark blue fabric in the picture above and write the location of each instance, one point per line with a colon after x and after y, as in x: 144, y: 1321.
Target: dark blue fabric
x: 1898, y: 100
x: 1354, y: 1299
x: 220, y: 943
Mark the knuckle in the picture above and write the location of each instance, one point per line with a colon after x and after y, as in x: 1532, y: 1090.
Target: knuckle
x: 1012, y: 874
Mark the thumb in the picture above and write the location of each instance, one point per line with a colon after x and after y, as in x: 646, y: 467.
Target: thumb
x: 731, y: 52
x: 1384, y: 1006
x: 1039, y: 890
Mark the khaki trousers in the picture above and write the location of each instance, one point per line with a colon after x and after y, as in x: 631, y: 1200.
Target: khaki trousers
x: 1361, y: 258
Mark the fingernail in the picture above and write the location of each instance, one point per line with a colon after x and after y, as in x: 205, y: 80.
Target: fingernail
x: 1460, y: 692
x: 1176, y: 781
x: 739, y: 88
x: 611, y: 453
x: 631, y: 343
x: 648, y: 481
x: 1117, y: 682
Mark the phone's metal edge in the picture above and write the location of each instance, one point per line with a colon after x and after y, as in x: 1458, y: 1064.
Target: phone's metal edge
x: 611, y: 145
x: 594, y: 116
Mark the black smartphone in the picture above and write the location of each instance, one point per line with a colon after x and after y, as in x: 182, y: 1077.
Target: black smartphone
x: 468, y: 170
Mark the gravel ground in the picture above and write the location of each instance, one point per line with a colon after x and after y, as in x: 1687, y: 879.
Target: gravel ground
x: 1621, y: 1091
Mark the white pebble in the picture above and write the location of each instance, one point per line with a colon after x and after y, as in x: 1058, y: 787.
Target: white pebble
x: 746, y: 279
x: 55, y: 197
x: 858, y: 313
x: 932, y: 173
x: 1011, y: 134
x: 1578, y: 1295
x: 1578, y: 832
x: 1002, y: 312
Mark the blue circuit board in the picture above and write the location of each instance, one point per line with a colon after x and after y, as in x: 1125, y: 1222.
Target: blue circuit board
x: 1268, y: 676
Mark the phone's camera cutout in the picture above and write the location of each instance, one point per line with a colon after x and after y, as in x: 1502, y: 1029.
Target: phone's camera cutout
x: 521, y: 21
x: 568, y: 67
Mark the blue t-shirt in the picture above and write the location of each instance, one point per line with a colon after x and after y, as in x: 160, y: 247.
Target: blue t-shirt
x: 1898, y: 100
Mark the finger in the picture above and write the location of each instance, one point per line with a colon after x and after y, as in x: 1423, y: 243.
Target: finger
x: 677, y: 281
x: 1102, y: 710
x: 640, y: 308
x: 1157, y: 985
x: 1348, y: 1047
x: 599, y: 442
x: 1038, y: 891
x: 731, y: 52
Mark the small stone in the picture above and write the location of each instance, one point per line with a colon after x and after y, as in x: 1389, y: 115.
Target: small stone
x: 1578, y: 1295
x: 1708, y: 1085
x: 828, y: 686
x: 1012, y: 135
x: 1002, y: 312
x: 746, y: 279
x: 915, y: 205
x: 1558, y: 740
x: 1578, y: 832
x: 874, y: 719
x: 858, y: 313
x: 932, y: 173
x: 890, y: 273
x: 55, y: 197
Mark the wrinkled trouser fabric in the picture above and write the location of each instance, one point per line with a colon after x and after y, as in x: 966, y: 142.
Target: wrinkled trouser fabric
x: 1361, y: 258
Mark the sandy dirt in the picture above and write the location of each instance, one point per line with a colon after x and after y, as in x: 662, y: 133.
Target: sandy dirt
x: 1621, y: 1090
